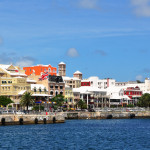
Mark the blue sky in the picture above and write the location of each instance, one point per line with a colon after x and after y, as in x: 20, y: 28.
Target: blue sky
x: 97, y: 37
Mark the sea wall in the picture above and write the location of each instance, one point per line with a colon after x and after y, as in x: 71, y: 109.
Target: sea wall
x: 106, y: 115
x: 31, y: 119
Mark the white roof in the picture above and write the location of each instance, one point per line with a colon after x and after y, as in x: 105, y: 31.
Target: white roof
x: 85, y: 80
x: 29, y: 80
x: 88, y: 89
x: 66, y: 86
x: 70, y: 78
x: 22, y: 92
x: 5, y: 67
x: 61, y: 63
x: 119, y: 97
x: 41, y: 95
x: 18, y: 74
x: 77, y: 72
x: 6, y: 85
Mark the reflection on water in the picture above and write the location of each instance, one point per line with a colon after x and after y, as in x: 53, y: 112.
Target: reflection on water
x: 79, y: 134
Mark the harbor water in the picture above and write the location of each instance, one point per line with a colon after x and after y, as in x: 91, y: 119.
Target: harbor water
x: 104, y: 134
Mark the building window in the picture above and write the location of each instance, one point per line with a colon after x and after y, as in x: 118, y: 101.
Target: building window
x: 4, y: 82
x: 40, y: 90
x: 49, y: 69
x: 51, y: 93
x: 34, y: 89
x: 30, y: 70
x: 51, y: 86
x: 61, y: 93
x: 56, y: 87
x: 61, y: 87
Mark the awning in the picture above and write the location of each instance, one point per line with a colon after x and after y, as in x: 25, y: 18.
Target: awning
x: 41, y: 95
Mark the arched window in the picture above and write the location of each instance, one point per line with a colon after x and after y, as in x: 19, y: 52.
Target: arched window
x: 51, y: 93
x: 49, y: 69
x: 56, y: 93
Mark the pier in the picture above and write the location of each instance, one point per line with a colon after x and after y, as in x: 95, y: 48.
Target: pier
x: 13, y: 119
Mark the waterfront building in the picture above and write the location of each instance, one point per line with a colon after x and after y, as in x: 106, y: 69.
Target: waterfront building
x: 14, y: 83
x: 69, y: 96
x: 94, y: 97
x: 56, y: 85
x: 39, y: 69
x: 99, y: 83
x: 40, y: 95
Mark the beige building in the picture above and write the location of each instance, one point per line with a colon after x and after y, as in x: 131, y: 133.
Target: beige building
x: 13, y: 83
x: 35, y: 79
x: 72, y: 82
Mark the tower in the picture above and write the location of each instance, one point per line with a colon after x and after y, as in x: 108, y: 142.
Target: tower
x: 62, y: 69
x: 78, y: 75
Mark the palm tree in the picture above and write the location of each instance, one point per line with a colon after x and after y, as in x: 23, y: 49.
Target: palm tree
x: 26, y: 99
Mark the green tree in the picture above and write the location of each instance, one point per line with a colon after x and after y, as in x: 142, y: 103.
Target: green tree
x: 4, y: 101
x: 27, y: 99
x: 144, y: 100
x: 82, y: 104
x: 59, y: 100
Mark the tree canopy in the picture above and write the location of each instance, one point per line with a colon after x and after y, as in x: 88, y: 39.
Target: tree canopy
x: 82, y: 104
x: 27, y: 99
x: 59, y: 99
x: 144, y: 100
x: 4, y: 101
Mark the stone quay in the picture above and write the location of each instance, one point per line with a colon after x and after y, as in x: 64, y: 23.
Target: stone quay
x: 14, y: 119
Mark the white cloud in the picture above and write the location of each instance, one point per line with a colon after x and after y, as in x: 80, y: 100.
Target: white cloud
x: 139, y: 77
x: 88, y: 4
x: 141, y: 7
x: 25, y: 62
x: 72, y: 52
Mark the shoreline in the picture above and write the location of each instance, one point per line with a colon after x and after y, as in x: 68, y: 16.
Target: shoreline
x: 60, y: 117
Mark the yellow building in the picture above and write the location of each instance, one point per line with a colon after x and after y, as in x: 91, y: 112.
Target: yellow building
x: 69, y: 96
x: 13, y: 83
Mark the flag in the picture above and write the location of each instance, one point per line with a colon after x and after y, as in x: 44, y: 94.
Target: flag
x: 44, y: 76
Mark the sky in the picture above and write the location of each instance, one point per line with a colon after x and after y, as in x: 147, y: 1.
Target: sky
x: 108, y: 39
